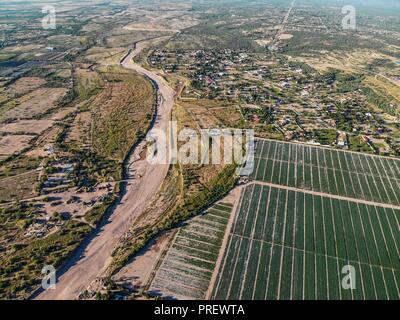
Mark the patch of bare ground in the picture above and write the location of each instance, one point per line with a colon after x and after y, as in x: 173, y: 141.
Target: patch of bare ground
x: 18, y: 188
x: 285, y: 36
x: 24, y: 85
x: 35, y: 103
x: 73, y: 204
x: 105, y: 55
x: 63, y: 113
x: 44, y: 145
x: 348, y: 61
x: 212, y: 114
x: 138, y: 273
x: 14, y: 144
x: 27, y: 126
x: 263, y: 42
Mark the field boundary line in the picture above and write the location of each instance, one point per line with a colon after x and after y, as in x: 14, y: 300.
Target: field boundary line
x: 367, y: 249
x: 391, y: 231
x: 198, y: 224
x: 394, y: 174
x: 241, y: 239
x: 225, y: 239
x: 201, y: 234
x: 242, y: 285
x: 293, y: 241
x: 387, y: 250
x: 165, y: 287
x: 191, y: 248
x: 384, y: 235
x: 346, y: 162
x: 366, y: 180
x: 327, y: 195
x: 196, y: 240
x: 325, y: 250
x: 283, y: 251
x: 332, y: 212
x: 278, y: 199
x: 328, y: 148
x: 312, y: 166
x: 179, y: 272
x: 273, y: 163
x: 358, y: 177
x: 345, y: 186
x: 213, y: 215
x: 316, y: 253
x: 383, y: 184
x: 214, y: 223
x: 357, y: 247
x: 344, y: 229
x: 258, y: 163
x: 183, y: 255
x: 387, y: 178
x: 160, y: 263
x: 376, y: 246
x: 262, y: 244
x: 187, y: 265
x: 171, y: 293
x: 379, y: 190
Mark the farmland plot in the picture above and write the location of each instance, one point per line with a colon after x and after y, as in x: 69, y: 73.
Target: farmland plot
x: 287, y: 244
x: 187, y: 268
x: 331, y: 171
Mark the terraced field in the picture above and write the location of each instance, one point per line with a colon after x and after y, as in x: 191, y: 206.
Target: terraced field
x: 293, y: 245
x: 187, y: 268
x: 330, y: 171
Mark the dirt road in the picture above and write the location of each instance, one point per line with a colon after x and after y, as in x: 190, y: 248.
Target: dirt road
x: 145, y: 181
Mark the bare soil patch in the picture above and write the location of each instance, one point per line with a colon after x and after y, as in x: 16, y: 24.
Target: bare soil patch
x: 25, y: 84
x: 17, y: 188
x: 60, y: 115
x: 285, y: 36
x: 138, y: 273
x: 35, y: 103
x: 27, y: 126
x: 14, y: 143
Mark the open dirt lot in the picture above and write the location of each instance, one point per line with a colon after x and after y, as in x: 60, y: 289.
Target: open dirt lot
x: 12, y: 144
x: 35, y: 103
x: 25, y: 84
x: 19, y: 187
x: 60, y: 115
x: 138, y: 273
x: 27, y: 126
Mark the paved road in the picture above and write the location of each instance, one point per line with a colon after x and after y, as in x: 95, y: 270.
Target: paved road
x: 145, y: 181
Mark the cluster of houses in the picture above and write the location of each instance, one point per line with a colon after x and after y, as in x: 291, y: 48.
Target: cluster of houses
x: 269, y: 84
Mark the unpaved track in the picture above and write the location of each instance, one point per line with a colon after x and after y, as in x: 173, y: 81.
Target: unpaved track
x: 235, y: 193
x: 328, y: 195
x: 145, y: 181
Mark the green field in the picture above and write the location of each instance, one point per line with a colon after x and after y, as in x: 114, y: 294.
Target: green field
x: 330, y: 171
x: 293, y: 245
x: 186, y: 270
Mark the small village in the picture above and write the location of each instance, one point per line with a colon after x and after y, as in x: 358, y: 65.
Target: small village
x: 285, y: 98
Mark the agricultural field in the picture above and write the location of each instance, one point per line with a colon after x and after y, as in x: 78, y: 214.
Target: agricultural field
x: 187, y: 268
x: 73, y: 115
x: 287, y: 244
x: 336, y: 172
